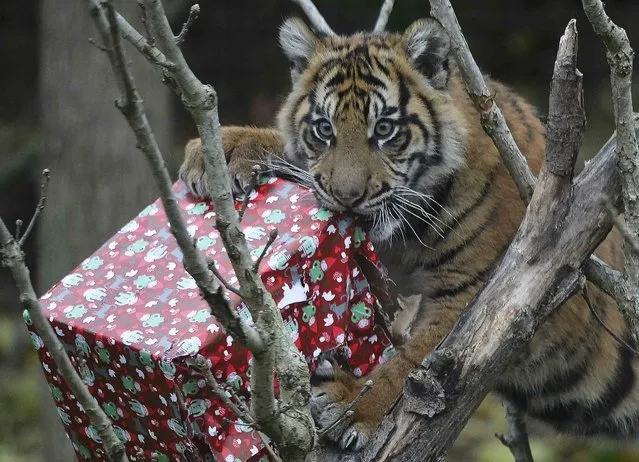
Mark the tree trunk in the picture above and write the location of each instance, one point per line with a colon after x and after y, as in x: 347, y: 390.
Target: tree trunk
x: 98, y: 180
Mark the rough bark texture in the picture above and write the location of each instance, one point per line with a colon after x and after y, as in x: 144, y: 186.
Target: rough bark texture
x: 98, y: 180
x: 620, y: 59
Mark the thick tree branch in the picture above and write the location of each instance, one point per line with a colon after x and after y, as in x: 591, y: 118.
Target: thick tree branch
x: 269, y: 342
x: 620, y: 59
x: 12, y: 257
x: 540, y: 270
x: 604, y: 276
x: 384, y: 13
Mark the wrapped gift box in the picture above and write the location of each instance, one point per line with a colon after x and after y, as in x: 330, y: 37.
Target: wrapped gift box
x: 132, y: 320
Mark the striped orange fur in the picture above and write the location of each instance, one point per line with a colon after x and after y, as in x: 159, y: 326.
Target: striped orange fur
x: 380, y: 124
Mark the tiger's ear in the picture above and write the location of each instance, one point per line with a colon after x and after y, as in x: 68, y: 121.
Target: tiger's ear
x: 427, y: 45
x: 298, y: 42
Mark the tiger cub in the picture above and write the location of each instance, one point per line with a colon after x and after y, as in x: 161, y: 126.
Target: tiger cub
x: 380, y: 125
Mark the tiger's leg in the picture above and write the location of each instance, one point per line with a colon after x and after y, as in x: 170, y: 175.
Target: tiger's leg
x: 330, y: 398
x: 244, y: 147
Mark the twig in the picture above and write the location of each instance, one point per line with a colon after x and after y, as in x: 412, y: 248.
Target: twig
x: 349, y: 409
x: 255, y: 173
x: 145, y: 24
x: 271, y: 238
x: 19, y: 224
x: 190, y: 432
x: 44, y: 184
x: 620, y: 224
x: 315, y: 17
x: 491, y: 116
x: 96, y: 44
x: 384, y: 13
x: 221, y: 279
x: 619, y: 340
x: 12, y: 257
x: 620, y: 56
x: 194, y: 12
x: 239, y: 408
x: 184, y: 411
x: 517, y: 438
x: 202, y: 364
x: 272, y: 348
x: 237, y: 422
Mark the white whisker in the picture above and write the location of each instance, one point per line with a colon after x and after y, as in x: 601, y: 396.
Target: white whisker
x: 417, y: 207
x: 411, y: 227
x: 429, y: 223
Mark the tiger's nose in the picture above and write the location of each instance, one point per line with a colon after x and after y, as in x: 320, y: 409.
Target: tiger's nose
x: 349, y: 196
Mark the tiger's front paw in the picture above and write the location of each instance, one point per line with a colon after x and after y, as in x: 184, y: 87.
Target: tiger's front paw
x: 193, y: 173
x: 330, y: 400
x: 244, y: 148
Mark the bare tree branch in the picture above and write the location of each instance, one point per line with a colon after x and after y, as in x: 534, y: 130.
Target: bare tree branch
x: 12, y: 257
x: 384, y: 13
x: 495, y: 126
x: 194, y: 12
x: 44, y: 184
x: 315, y: 17
x: 227, y: 285
x: 144, y: 46
x: 517, y: 438
x: 130, y: 104
x: 620, y: 57
x: 272, y: 347
x: 492, y: 118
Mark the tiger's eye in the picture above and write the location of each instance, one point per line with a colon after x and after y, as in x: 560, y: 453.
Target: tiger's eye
x: 384, y: 128
x: 324, y: 129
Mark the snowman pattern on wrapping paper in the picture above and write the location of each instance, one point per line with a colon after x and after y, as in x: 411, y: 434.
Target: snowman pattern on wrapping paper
x: 147, y: 312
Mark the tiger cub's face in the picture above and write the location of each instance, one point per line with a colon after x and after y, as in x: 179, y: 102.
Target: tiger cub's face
x: 370, y: 119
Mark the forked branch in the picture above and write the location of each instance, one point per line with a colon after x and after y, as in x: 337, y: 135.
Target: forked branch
x: 271, y: 345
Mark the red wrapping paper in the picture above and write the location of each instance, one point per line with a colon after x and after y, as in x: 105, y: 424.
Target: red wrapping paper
x: 132, y: 319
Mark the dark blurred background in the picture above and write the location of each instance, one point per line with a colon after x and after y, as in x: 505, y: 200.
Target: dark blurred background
x: 57, y: 112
